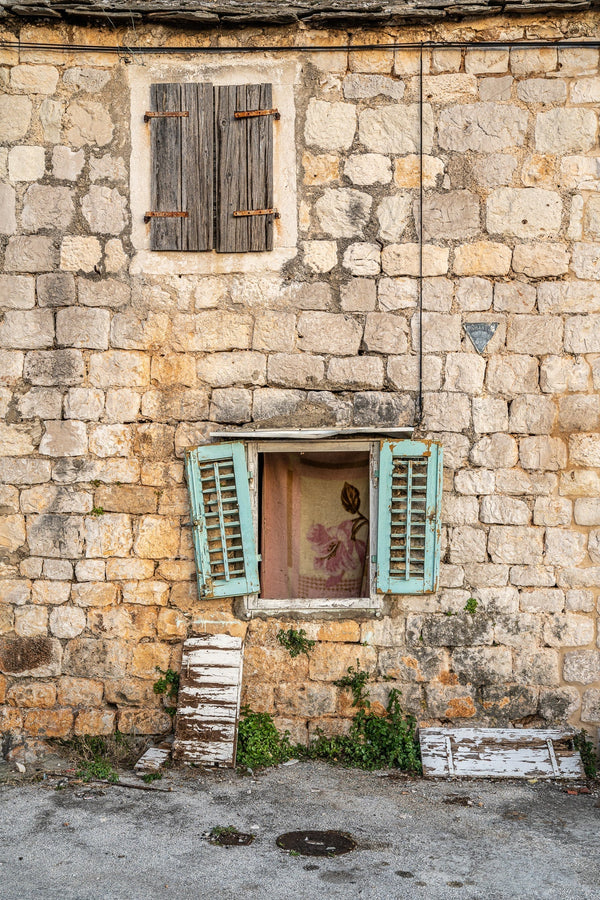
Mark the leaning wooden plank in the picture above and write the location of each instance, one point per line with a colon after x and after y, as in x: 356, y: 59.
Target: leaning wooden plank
x: 499, y: 753
x: 208, y: 700
x: 153, y: 759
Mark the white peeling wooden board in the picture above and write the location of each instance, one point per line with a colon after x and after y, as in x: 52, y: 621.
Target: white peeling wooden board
x: 499, y: 753
x: 153, y: 759
x: 208, y: 704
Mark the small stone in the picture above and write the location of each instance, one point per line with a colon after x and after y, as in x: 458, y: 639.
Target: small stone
x: 105, y: 210
x: 482, y: 258
x: 358, y: 295
x: 79, y: 253
x: 51, y: 113
x: 524, y: 213
x: 393, y: 214
x: 115, y: 258
x: 362, y: 259
x: 86, y: 79
x: 30, y: 253
x: 15, y: 116
x: 563, y: 130
x: 330, y: 125
x: 368, y: 168
x: 64, y: 439
x: 66, y: 163
x: 396, y: 129
x: 89, y: 123
x: 407, y: 171
x: 107, y: 168
x: 320, y: 256
x: 26, y: 163
x: 483, y: 127
x: 385, y: 333
x: 404, y: 259
x: 343, y: 212
x: 320, y: 169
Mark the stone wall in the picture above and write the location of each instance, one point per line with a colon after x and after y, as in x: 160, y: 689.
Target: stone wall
x: 107, y: 374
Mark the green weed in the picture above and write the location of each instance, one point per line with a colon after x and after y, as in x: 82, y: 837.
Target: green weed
x: 589, y: 757
x: 149, y: 777
x: 355, y: 681
x: 259, y: 742
x: 97, y: 511
x: 295, y: 641
x: 471, y: 606
x: 167, y: 684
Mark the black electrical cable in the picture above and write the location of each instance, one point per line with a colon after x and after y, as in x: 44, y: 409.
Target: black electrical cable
x: 419, y: 410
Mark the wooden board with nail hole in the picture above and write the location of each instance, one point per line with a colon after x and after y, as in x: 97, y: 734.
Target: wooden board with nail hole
x: 499, y: 753
x: 208, y: 704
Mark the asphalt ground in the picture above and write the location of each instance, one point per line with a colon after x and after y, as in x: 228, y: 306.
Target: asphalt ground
x: 61, y: 840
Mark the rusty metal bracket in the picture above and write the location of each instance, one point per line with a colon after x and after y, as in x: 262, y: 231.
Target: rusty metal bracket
x: 166, y: 115
x: 238, y: 213
x: 153, y: 214
x: 252, y: 113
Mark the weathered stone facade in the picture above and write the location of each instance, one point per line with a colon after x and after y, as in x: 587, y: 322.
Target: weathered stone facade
x: 111, y: 365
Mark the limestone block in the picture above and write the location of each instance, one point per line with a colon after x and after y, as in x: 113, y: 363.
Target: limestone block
x: 559, y: 374
x: 368, y: 168
x: 52, y: 498
x: 34, y: 79
x: 498, y: 510
x: 492, y: 90
x: 322, y: 332
x: 579, y: 601
x: 176, y: 369
x: 449, y: 88
x: 274, y: 403
x: 539, y: 260
x: 107, y: 168
x: 166, y: 405
x: 223, y: 369
x: 231, y: 405
x: 385, y: 333
x: 37, y: 695
x: 533, y: 576
x: 568, y: 631
x: 119, y: 367
x: 83, y: 328
x: 482, y: 665
x: 115, y: 258
x: 362, y: 259
x: 460, y: 630
x: 495, y: 169
x: 364, y: 87
x: 15, y: 440
x: 55, y: 289
x: 483, y: 575
x: 64, y: 439
x: 157, y: 537
x: 57, y: 536
x: 446, y: 61
x: 108, y: 535
x: 15, y: 116
x: 403, y: 373
x: 12, y: 534
x: 532, y: 414
x: 587, y: 511
x: 146, y: 593
x: 88, y: 123
x: 459, y: 510
x: 320, y: 169
x: 26, y: 163
x: 17, y: 292
x: 581, y: 666
x: 474, y: 294
x: 482, y: 127
x: 577, y: 60
x: 86, y: 79
x: 478, y: 482
x: 486, y: 62
x: 579, y: 172
x: 441, y: 333
x: 543, y: 453
x: 514, y: 297
x: 395, y: 129
x: 512, y: 374
x: 53, y: 367
x: 590, y: 707
x: 343, y: 212
x: 301, y: 370
x: 320, y: 256
x: 452, y: 214
x: 538, y: 59
x: 407, y: 171
x: 489, y: 415
x: 393, y: 214
x: 464, y: 372
x: 446, y: 411
x: 30, y: 253
x: 582, y: 334
x: 155, y: 441
x: 403, y: 259
x: 578, y: 413
x: 111, y: 440
x: 274, y: 331
x: 536, y: 667
x: 51, y: 114
x: 47, y: 207
x: 211, y: 331
x: 79, y: 253
x: 482, y: 258
x: 515, y: 544
x: 58, y: 568
x: 24, y: 471
x: 542, y: 90
x: 578, y: 577
x: 565, y: 547
x: 494, y: 451
x: 109, y: 292
x: 552, y: 511
x: 104, y: 210
x: 67, y: 621
x: 66, y: 163
x: 395, y: 293
x: 382, y: 409
x: 27, y: 329
x: 563, y: 130
x: 51, y: 593
x: 438, y: 294
x: 586, y: 261
x: 357, y: 295
x: 584, y: 449
x: 524, y: 212
x: 330, y: 125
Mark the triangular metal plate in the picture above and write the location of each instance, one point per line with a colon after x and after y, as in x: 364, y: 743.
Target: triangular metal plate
x: 481, y: 333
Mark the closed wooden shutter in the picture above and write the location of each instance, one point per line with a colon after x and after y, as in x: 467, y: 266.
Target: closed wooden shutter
x: 182, y: 167
x: 244, y: 168
x: 223, y: 530
x: 408, y: 537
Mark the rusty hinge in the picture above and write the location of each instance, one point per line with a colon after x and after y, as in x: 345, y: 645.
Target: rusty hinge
x: 252, y: 113
x: 256, y: 212
x: 154, y: 214
x: 165, y: 115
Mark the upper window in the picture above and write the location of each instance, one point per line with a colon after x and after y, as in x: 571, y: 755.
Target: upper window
x: 338, y: 524
x: 212, y: 167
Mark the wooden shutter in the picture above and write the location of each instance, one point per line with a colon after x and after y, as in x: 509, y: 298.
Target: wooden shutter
x: 182, y: 166
x: 244, y: 164
x: 223, y: 530
x: 408, y: 537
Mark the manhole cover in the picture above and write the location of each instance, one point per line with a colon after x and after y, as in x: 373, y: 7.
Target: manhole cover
x: 317, y: 843
x: 230, y: 837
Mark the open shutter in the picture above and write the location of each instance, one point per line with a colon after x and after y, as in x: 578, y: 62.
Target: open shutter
x: 244, y: 168
x: 222, y: 525
x: 182, y: 166
x: 408, y: 536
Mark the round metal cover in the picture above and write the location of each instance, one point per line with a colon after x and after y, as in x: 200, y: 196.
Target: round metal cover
x: 317, y: 843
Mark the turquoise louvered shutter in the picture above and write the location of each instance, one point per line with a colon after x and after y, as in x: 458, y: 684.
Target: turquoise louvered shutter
x: 222, y: 527
x: 408, y: 529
